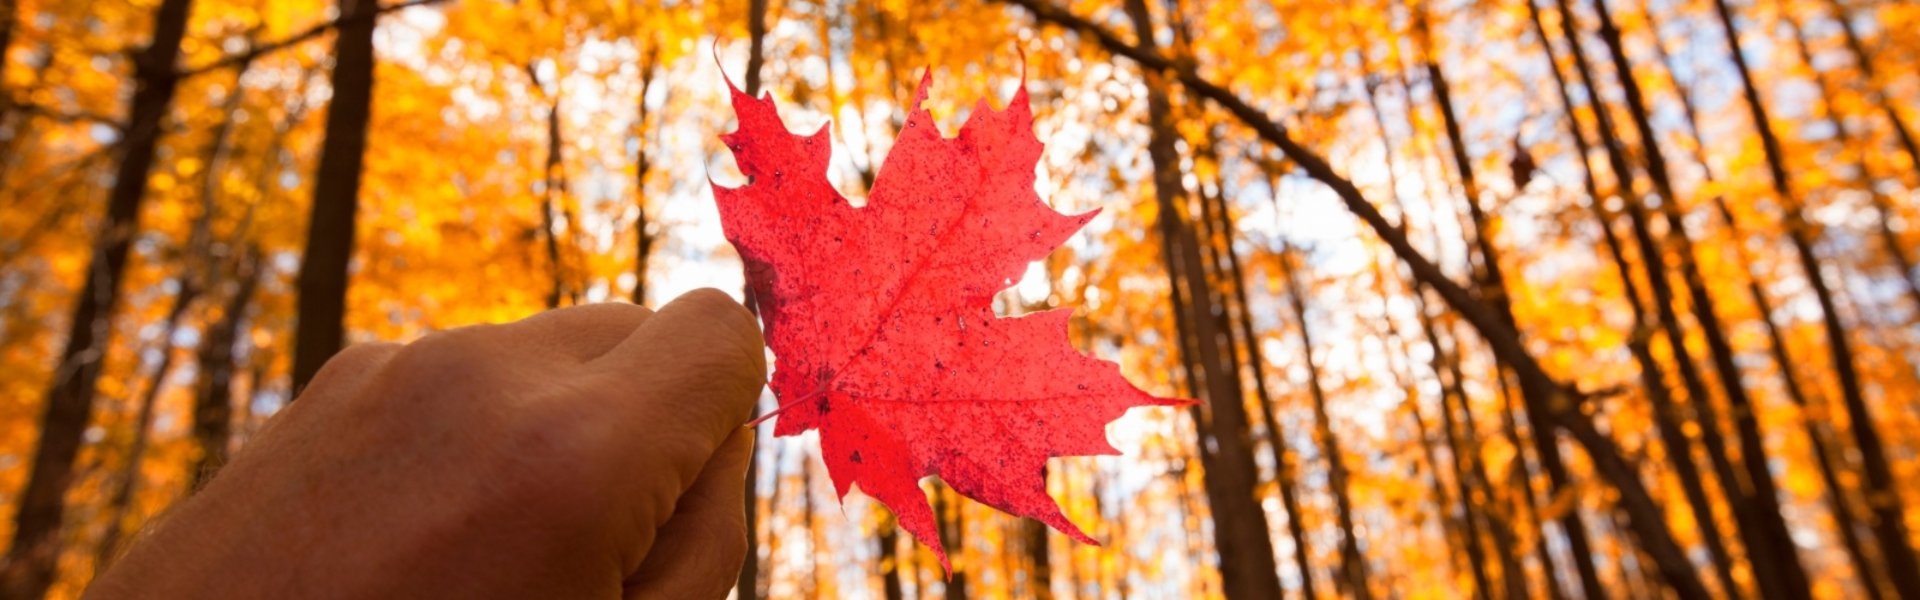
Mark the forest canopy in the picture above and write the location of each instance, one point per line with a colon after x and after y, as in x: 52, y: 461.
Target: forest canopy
x: 1489, y: 299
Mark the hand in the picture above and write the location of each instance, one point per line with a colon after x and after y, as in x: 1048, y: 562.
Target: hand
x: 589, y: 452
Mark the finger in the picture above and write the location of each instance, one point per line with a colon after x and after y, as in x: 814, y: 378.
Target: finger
x: 694, y: 369
x: 698, y: 553
x: 580, y: 333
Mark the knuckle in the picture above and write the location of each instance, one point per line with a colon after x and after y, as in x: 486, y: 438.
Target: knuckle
x: 355, y: 358
x: 448, y: 357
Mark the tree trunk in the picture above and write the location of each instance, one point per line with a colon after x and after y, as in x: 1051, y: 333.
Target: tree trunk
x: 1605, y: 454
x: 1283, y: 463
x: 1216, y: 214
x: 1838, y: 498
x: 1889, y: 510
x: 1906, y: 583
x: 1863, y: 59
x: 1512, y: 574
x: 126, y: 484
x: 953, y: 531
x: 1240, y: 525
x: 1040, y: 575
x: 1352, y: 562
x: 322, y: 288
x: 1667, y: 417
x: 889, y: 535
x: 1902, y: 258
x: 644, y: 239
x: 1755, y: 498
x: 1465, y: 529
x: 1493, y: 290
x: 748, y: 587
x: 553, y: 198
x: 33, y: 557
x: 9, y: 16
x: 213, y: 404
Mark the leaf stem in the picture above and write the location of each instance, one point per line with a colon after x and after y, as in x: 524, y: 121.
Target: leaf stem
x: 762, y: 418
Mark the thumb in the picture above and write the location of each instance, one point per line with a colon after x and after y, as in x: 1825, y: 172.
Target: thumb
x: 698, y: 552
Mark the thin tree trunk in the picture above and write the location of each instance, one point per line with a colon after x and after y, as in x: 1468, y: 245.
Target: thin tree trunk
x: 953, y: 530
x: 1283, y: 463
x: 1352, y: 561
x: 1902, y: 258
x: 1040, y: 576
x: 126, y: 484
x: 1512, y: 574
x: 1667, y: 416
x: 212, y: 424
x: 33, y: 556
x: 810, y: 572
x: 213, y: 404
x: 1464, y: 530
x: 1753, y: 493
x: 1492, y: 287
x: 747, y: 587
x: 322, y: 306
x: 9, y: 17
x: 644, y: 238
x: 1889, y: 510
x: 1838, y: 497
x: 1219, y: 229
x: 1836, y: 494
x: 1240, y: 525
x: 889, y: 535
x: 553, y: 196
x: 1863, y: 59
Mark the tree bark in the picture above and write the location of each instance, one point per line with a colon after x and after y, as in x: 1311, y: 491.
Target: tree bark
x: 1247, y: 566
x: 953, y: 531
x: 1512, y: 574
x: 33, y: 557
x: 322, y: 286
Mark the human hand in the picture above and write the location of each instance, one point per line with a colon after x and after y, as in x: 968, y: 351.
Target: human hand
x: 588, y: 452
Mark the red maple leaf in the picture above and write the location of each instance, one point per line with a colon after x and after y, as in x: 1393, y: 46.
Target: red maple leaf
x: 881, y: 321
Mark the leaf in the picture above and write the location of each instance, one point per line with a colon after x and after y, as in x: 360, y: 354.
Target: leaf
x: 881, y: 321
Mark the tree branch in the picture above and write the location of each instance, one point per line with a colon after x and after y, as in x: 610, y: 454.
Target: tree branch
x: 1504, y: 340
x: 240, y: 58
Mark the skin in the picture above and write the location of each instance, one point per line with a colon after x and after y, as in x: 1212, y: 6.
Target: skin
x: 587, y: 452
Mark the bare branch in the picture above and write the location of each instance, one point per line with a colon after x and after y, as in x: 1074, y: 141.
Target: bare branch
x: 255, y: 52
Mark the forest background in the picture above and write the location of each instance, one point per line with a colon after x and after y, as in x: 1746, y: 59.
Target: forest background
x: 1488, y: 298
